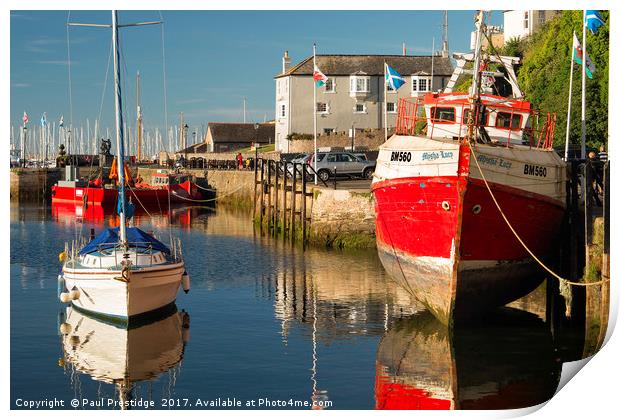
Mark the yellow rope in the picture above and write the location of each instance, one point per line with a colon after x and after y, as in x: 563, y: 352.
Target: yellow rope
x: 519, y: 238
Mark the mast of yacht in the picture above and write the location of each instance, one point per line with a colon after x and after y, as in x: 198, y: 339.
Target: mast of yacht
x: 139, y: 118
x: 118, y: 106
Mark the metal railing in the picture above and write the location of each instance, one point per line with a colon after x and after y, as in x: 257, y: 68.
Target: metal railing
x: 412, y: 120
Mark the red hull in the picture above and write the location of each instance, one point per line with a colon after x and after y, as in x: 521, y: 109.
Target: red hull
x: 444, y: 239
x: 186, y: 192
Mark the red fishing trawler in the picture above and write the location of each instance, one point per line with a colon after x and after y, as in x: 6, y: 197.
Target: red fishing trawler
x: 443, y: 198
x: 180, y: 187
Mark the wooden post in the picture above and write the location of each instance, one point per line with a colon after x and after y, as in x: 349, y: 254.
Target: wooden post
x: 587, y: 206
x: 262, y: 191
x: 269, y: 184
x: 303, y: 203
x: 293, y: 200
x: 606, y: 191
x: 255, y: 188
x: 276, y: 198
x: 574, y: 222
x: 284, y: 206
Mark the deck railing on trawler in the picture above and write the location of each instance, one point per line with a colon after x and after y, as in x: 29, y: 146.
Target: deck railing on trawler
x: 412, y: 120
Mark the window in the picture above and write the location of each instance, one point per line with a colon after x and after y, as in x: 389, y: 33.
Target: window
x: 322, y: 108
x: 542, y: 17
x: 330, y: 86
x: 283, y: 110
x: 466, y: 117
x: 331, y: 158
x: 344, y: 157
x: 391, y: 107
x: 507, y: 121
x: 420, y: 84
x: 389, y: 87
x: 442, y: 115
x: 526, y: 19
x: 360, y: 84
x: 328, y: 131
x: 360, y: 108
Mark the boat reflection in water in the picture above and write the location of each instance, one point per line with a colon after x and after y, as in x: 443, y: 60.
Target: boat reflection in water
x: 509, y: 362
x: 123, y: 357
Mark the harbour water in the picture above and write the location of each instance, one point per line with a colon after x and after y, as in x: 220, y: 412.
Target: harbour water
x: 265, y: 322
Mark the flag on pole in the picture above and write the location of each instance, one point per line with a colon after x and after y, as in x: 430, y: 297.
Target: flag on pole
x: 25, y: 118
x: 319, y: 77
x: 578, y: 57
x: 43, y: 120
x: 393, y: 78
x: 593, y: 20
x: 62, y: 121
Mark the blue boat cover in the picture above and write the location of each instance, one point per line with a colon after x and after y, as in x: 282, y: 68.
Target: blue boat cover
x: 135, y: 237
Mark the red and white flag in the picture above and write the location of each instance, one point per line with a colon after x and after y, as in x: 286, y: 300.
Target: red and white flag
x: 319, y: 77
x: 25, y: 118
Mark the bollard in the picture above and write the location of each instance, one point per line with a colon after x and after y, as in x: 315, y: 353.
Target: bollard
x: 335, y: 174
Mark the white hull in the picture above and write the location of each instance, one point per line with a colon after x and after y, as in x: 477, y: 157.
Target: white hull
x: 105, y: 292
x: 116, y: 355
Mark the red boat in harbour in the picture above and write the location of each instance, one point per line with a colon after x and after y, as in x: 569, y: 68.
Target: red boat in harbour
x: 180, y: 186
x: 439, y: 230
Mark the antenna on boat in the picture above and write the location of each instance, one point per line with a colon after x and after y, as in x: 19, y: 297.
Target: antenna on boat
x: 474, y: 96
x: 118, y: 104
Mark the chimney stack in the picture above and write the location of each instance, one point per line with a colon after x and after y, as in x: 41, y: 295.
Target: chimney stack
x: 286, y: 62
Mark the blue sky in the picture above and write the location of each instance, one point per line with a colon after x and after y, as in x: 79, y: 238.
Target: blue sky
x: 213, y: 58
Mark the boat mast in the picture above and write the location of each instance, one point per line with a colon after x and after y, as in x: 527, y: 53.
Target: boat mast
x: 118, y: 105
x: 139, y: 115
x: 474, y: 96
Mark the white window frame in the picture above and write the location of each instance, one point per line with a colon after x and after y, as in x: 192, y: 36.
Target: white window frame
x: 364, y: 108
x: 333, y: 85
x: 326, y: 111
x: 353, y: 84
x: 395, y: 108
x: 415, y: 84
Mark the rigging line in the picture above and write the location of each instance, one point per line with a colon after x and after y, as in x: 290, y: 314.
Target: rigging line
x: 163, y: 56
x: 561, y: 279
x: 69, y: 68
x: 105, y: 84
x: 140, y: 202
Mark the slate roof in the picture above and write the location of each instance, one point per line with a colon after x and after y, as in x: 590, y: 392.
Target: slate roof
x: 235, y: 133
x: 372, y: 65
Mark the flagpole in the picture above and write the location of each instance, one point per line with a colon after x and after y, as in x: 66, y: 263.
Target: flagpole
x: 570, y: 96
x: 385, y: 99
x: 583, y: 90
x: 316, y: 181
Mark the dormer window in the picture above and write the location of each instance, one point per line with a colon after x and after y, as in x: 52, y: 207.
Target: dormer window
x: 420, y: 84
x: 360, y: 84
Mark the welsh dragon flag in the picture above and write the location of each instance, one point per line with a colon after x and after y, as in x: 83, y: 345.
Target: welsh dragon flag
x: 319, y: 77
x: 578, y: 57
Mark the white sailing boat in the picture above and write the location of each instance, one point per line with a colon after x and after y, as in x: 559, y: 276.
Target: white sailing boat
x: 123, y: 272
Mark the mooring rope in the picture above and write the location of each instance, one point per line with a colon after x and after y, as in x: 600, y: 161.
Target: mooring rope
x: 207, y: 200
x: 560, y: 278
x: 206, y: 189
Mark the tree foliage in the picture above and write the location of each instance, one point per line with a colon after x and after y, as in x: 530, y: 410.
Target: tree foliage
x: 545, y: 73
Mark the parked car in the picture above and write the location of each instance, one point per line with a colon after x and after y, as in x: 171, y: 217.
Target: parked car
x: 342, y: 163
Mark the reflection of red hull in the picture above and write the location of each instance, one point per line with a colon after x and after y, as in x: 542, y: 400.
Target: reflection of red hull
x: 392, y: 395
x: 185, y: 192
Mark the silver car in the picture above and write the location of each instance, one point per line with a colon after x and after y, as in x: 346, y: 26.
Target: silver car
x: 342, y: 163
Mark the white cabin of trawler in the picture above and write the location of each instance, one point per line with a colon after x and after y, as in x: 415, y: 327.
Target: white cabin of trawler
x: 505, y: 120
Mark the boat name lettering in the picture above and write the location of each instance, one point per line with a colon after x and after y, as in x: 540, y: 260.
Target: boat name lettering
x: 494, y: 161
x: 401, y: 156
x: 535, y: 170
x: 437, y: 155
